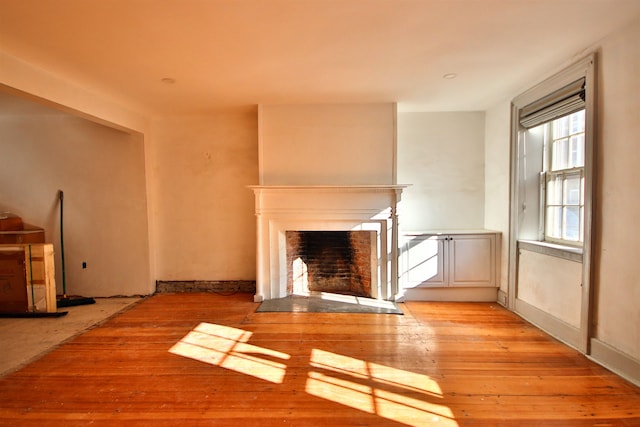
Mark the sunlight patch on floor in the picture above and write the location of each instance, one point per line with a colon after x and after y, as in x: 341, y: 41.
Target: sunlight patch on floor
x: 227, y: 348
x: 402, y: 396
x: 396, y: 394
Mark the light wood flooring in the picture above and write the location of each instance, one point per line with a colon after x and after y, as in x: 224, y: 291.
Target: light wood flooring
x: 210, y: 360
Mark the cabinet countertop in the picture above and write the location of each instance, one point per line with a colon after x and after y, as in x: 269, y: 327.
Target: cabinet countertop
x: 448, y: 231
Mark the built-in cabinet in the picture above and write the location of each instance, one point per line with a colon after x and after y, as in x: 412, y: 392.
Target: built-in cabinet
x: 455, y: 259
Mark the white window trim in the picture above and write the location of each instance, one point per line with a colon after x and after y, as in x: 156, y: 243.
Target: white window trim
x: 583, y: 68
x: 544, y: 183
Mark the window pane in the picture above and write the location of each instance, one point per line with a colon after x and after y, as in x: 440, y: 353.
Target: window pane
x: 577, y: 122
x: 554, y: 222
x: 581, y: 222
x: 559, y: 154
x: 572, y: 187
x: 576, y: 151
x: 554, y: 190
x: 561, y: 127
x: 571, y: 220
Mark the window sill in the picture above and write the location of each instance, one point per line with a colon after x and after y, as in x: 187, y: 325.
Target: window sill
x: 552, y: 249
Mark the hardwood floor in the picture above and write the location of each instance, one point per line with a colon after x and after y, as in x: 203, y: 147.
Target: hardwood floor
x: 204, y: 359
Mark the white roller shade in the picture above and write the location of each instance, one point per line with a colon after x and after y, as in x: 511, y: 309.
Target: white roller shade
x: 562, y: 102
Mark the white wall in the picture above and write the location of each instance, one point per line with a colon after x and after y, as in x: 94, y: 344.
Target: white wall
x: 102, y: 174
x: 618, y: 199
x: 496, y: 201
x: 442, y: 156
x: 327, y: 144
x: 551, y: 284
x: 203, y: 213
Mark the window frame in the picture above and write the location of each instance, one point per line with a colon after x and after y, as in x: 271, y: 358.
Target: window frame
x: 549, y: 172
x: 583, y: 68
x: 521, y: 206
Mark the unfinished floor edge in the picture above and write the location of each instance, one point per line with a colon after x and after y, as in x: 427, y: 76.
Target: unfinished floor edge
x: 216, y: 286
x: 66, y: 326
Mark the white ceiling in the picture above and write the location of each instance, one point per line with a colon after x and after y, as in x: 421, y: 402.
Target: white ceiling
x: 239, y: 53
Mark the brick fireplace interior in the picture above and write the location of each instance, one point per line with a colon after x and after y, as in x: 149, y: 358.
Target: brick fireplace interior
x: 341, y: 262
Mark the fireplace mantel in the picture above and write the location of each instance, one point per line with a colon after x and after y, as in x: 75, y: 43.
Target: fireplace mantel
x: 281, y: 208
x: 330, y: 188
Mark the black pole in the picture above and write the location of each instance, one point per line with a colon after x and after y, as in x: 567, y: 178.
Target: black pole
x: 65, y: 301
x: 64, y: 280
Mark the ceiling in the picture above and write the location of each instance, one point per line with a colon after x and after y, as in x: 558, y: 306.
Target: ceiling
x: 221, y: 54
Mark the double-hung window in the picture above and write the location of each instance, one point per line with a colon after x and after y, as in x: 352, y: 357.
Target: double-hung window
x: 563, y: 179
x: 557, y: 122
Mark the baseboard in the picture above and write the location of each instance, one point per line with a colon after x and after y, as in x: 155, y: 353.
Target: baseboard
x: 553, y: 326
x: 601, y: 353
x: 451, y: 294
x: 218, y: 286
x: 503, y: 298
x: 616, y: 361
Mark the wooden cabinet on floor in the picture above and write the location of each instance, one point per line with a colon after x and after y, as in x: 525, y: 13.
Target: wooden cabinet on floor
x: 27, y: 278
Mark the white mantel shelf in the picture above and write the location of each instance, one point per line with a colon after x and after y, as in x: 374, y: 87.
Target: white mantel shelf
x: 329, y: 188
x: 279, y: 208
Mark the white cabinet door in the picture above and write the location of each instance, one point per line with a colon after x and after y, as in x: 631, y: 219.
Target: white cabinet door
x: 472, y: 260
x: 425, y: 261
x: 462, y: 260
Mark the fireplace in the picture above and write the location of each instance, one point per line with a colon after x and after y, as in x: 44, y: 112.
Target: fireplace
x: 341, y: 262
x: 338, y: 211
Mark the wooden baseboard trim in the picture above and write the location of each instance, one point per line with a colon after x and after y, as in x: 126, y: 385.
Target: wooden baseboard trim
x: 503, y: 298
x: 451, y: 294
x: 555, y: 327
x: 616, y: 361
x: 218, y: 286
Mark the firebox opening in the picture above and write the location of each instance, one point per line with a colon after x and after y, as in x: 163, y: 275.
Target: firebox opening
x: 331, y: 261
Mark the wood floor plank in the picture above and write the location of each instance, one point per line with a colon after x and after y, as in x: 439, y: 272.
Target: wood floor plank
x: 206, y: 359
